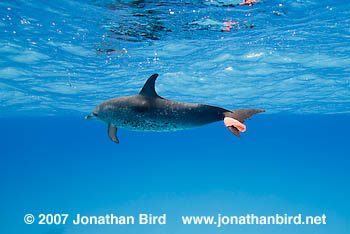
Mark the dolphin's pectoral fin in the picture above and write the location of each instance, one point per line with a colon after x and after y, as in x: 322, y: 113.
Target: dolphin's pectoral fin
x: 148, y: 87
x: 112, y: 133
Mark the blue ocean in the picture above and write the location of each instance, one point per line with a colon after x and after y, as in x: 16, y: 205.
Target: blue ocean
x: 59, y: 59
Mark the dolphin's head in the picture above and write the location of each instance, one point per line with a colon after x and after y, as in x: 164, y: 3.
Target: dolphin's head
x: 100, y: 112
x: 93, y: 115
x: 97, y: 113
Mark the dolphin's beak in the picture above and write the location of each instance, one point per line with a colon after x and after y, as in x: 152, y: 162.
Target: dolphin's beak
x: 90, y: 116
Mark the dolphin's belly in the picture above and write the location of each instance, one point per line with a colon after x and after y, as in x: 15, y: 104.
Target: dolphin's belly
x: 153, y: 125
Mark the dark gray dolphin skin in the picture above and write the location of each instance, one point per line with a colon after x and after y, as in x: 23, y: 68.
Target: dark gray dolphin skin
x: 147, y: 111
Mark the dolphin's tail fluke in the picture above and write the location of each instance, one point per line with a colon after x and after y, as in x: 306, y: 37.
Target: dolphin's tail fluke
x: 242, y: 114
x: 234, y: 120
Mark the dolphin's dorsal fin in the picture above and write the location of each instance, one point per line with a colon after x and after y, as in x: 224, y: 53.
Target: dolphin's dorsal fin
x: 148, y: 87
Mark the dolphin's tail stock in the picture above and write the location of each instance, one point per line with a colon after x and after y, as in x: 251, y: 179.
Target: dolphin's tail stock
x: 234, y: 120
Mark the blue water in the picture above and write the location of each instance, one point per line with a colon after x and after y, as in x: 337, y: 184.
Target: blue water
x: 58, y: 59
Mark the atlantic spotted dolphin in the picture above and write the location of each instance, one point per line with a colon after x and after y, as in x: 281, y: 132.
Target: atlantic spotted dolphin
x: 147, y: 111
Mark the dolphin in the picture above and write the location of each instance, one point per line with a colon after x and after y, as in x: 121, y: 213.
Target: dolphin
x: 147, y: 111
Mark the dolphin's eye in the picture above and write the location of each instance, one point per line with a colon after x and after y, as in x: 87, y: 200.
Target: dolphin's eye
x: 95, y: 114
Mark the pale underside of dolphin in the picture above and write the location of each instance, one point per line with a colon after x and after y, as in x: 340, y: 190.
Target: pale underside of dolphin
x: 147, y: 111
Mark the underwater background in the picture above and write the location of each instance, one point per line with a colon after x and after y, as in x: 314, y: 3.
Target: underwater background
x: 59, y: 59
